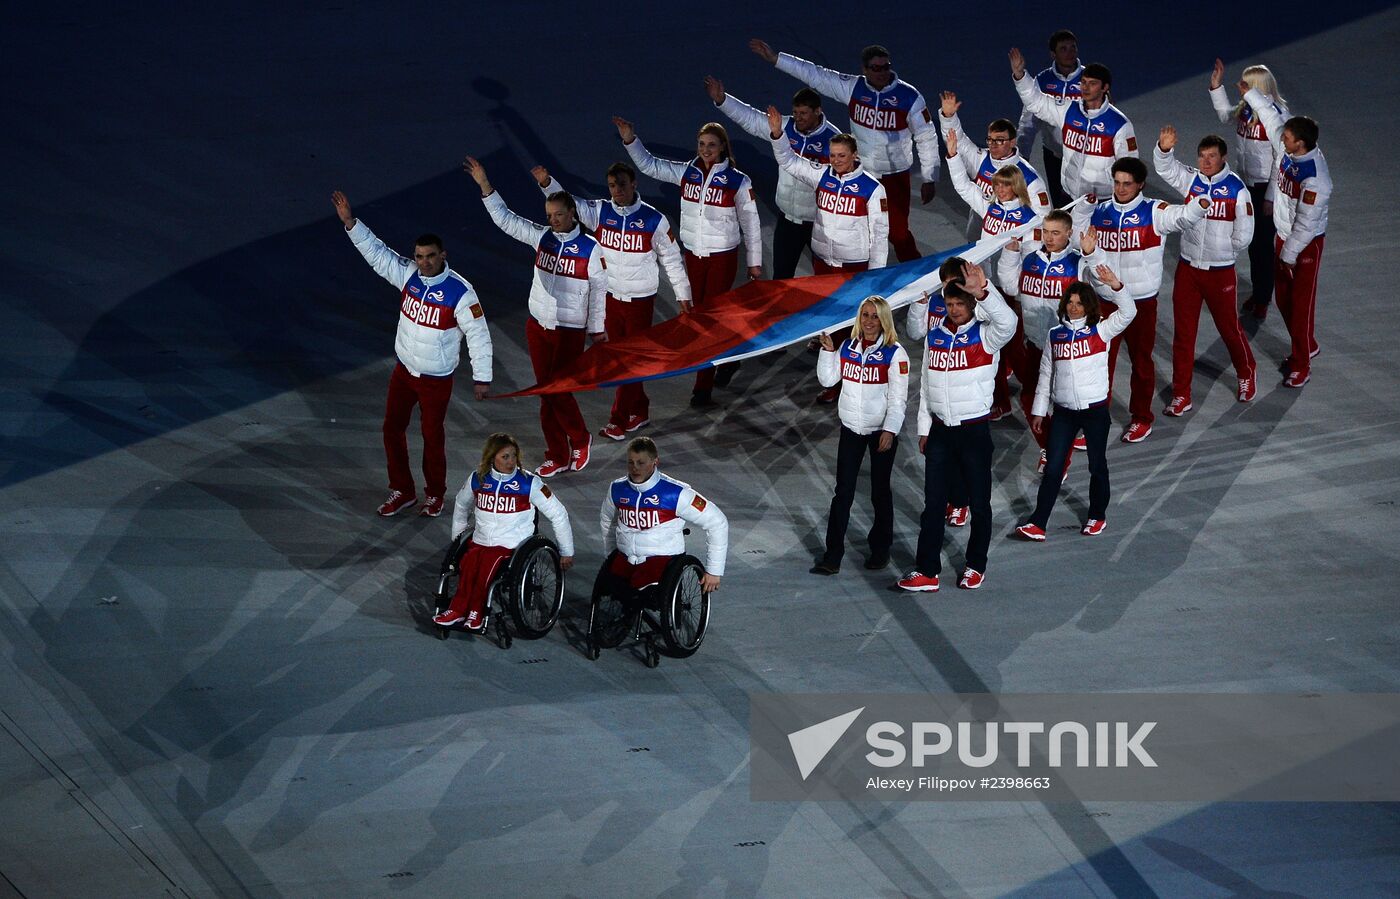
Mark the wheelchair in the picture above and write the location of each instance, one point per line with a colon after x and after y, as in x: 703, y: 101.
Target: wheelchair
x: 528, y: 587
x: 675, y: 610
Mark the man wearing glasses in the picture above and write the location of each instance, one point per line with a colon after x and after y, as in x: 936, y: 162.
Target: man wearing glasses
x: 981, y: 165
x: 889, y: 120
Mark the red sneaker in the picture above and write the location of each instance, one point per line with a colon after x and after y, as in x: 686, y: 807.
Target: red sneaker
x: 971, y: 579
x: 1080, y: 444
x: 1094, y: 527
x: 1031, y: 532
x: 396, y: 503
x: 1297, y: 379
x: 957, y: 516
x: 578, y: 459
x: 1137, y: 432
x: 636, y: 421
x: 1246, y: 391
x: 915, y: 582
x: 448, y: 618
x: 432, y: 507
x: 549, y: 468
x: 613, y: 432
x: 1178, y: 407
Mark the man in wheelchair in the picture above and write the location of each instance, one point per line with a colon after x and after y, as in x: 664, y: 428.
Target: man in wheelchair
x: 650, y: 511
x: 504, y: 497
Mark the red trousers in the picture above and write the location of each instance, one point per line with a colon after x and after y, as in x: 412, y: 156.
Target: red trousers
x: 478, y: 566
x: 431, y: 395
x: 1296, y: 294
x: 822, y: 267
x: 1216, y: 288
x: 1028, y: 373
x: 560, y: 418
x: 637, y: 576
x: 710, y: 276
x: 897, y: 188
x: 1140, y: 337
x: 1010, y: 363
x: 625, y: 318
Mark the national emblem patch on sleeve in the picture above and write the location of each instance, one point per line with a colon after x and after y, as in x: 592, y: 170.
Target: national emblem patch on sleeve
x: 699, y: 503
x: 544, y: 488
x: 928, y: 117
x: 1310, y: 197
x: 1132, y: 144
x: 884, y: 204
x: 1044, y: 198
x: 904, y: 366
x: 477, y: 311
x: 1249, y: 208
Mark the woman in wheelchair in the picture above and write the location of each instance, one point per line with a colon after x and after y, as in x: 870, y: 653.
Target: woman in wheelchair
x: 644, y: 517
x: 504, y: 497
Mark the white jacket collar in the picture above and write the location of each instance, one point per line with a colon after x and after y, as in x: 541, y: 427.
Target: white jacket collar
x: 646, y: 485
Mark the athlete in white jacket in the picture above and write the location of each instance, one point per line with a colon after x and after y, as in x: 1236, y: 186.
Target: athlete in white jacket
x: 567, y: 296
x: 437, y: 308
x: 981, y: 165
x: 503, y: 498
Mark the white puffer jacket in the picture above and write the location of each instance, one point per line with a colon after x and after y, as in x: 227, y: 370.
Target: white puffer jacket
x: 650, y: 520
x: 1302, y: 185
x: 570, y: 289
x: 1093, y: 139
x: 1254, y: 156
x: 1229, y: 225
x: 980, y: 166
x: 795, y: 198
x: 995, y: 217
x: 431, y: 325
x: 960, y: 367
x: 874, y: 384
x: 718, y: 207
x: 1037, y: 279
x: 853, y: 221
x: 1074, y: 368
x: 1131, y: 237
x: 504, y: 508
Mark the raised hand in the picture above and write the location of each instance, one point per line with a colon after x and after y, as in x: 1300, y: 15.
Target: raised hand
x: 827, y: 343
x: 1089, y: 240
x: 1107, y: 276
x: 1166, y: 138
x: 342, y: 209
x: 1018, y: 63
x: 761, y: 49
x: 625, y: 129
x: 775, y: 122
x: 1217, y: 73
x: 1243, y: 86
x: 973, y: 278
x: 541, y: 175
x: 478, y: 172
x: 948, y: 104
x: 952, y: 141
x: 715, y: 88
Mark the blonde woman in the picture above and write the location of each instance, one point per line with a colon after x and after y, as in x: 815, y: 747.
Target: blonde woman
x: 1254, y: 161
x: 1010, y: 204
x: 873, y: 371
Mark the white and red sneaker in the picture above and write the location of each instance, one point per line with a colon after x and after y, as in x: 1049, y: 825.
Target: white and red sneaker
x: 1137, y: 432
x: 578, y: 459
x: 613, y: 432
x: 636, y: 421
x: 957, y: 516
x: 432, y: 507
x: 1040, y: 466
x: 1296, y: 379
x: 1081, y: 445
x: 1246, y: 391
x: 549, y: 468
x: 971, y: 579
x: 448, y: 618
x: 917, y: 582
x: 1094, y: 527
x: 1031, y: 532
x: 396, y: 503
x: 1178, y: 407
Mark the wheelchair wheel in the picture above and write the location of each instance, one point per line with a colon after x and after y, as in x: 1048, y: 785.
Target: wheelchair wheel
x: 611, y: 617
x: 534, y: 588
x: 685, y: 608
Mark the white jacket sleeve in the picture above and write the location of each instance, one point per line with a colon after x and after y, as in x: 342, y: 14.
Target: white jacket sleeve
x: 471, y: 321
x: 828, y: 367
x: 462, y: 508
x: 824, y: 81
x: 606, y: 516
x: 1313, y: 195
x: 925, y: 135
x: 1125, y: 141
x: 703, y: 513
x: 1243, y: 232
x: 916, y: 318
x: 971, y: 195
x: 668, y: 253
x: 1268, y: 117
x: 877, y: 219
x: 647, y: 164
x: 1117, y: 322
x: 1001, y: 321
x: 804, y: 170
x: 897, y: 392
x: 597, y: 291
x: 925, y: 418
x: 1009, y: 268
x: 1039, y: 104
x: 746, y: 205
x: 968, y: 154
x: 544, y: 499
x: 1169, y: 218
x: 1223, y: 110
x: 588, y: 210
x: 1041, y: 404
x: 745, y: 116
x: 389, y: 265
x: 522, y: 229
x: 1170, y: 170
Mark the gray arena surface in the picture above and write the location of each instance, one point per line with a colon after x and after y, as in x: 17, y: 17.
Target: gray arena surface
x: 219, y: 674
